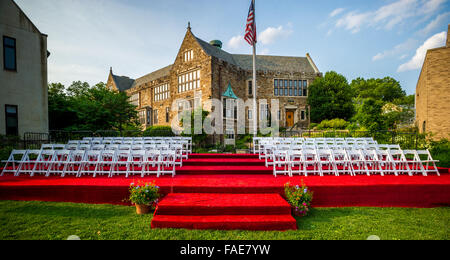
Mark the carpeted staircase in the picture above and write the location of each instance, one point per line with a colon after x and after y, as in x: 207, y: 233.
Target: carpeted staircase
x: 238, y: 210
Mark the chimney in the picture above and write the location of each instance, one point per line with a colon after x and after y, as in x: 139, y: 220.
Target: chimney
x: 448, y: 36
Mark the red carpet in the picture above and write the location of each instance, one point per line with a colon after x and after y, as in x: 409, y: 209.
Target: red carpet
x: 224, y: 211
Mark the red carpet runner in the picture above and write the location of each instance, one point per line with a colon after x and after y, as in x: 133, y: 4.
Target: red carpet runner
x: 224, y: 212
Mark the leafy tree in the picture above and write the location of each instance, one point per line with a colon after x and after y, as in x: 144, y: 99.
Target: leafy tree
x: 369, y: 114
x: 330, y: 97
x: 198, y: 139
x: 90, y: 108
x: 386, y: 89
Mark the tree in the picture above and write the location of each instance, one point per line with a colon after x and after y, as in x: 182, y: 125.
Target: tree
x: 91, y: 108
x: 330, y: 97
x: 386, y: 89
x: 369, y: 115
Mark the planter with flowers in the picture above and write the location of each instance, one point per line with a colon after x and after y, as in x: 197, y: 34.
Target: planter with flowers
x: 145, y: 196
x: 299, y: 197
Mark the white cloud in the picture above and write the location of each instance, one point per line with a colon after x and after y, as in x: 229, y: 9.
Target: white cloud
x: 440, y: 19
x: 398, y: 49
x: 271, y: 34
x: 390, y: 15
x: 416, y: 62
x: 353, y: 21
x: 336, y: 12
x: 236, y: 42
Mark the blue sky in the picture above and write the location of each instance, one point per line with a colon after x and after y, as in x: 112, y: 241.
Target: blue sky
x: 357, y: 38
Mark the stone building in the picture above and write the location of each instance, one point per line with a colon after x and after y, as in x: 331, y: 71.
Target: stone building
x: 202, y: 71
x: 433, y: 93
x: 23, y: 73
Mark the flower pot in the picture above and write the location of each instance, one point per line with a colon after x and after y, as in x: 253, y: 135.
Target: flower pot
x: 143, y: 209
x: 299, y: 212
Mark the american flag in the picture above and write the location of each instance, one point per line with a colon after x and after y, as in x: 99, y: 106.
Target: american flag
x: 250, y: 30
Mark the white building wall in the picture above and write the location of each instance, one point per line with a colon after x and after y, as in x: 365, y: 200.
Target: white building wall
x: 26, y: 88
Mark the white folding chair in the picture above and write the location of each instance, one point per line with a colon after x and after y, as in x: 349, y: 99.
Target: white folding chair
x: 373, y: 163
x: 43, y: 162
x: 74, y: 163
x: 399, y: 162
x: 342, y: 162
x: 90, y: 163
x: 152, y: 162
x: 325, y: 162
x: 106, y: 163
x: 357, y: 162
x: 295, y: 161
x: 427, y: 164
x: 27, y: 165
x: 136, y: 162
x: 59, y: 163
x: 280, y: 160
x: 122, y: 163
x: 310, y: 159
x: 14, y: 160
x: 98, y: 147
x: 167, y: 165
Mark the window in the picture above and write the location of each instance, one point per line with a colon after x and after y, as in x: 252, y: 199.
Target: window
x: 305, y: 88
x: 303, y: 116
x: 149, y: 116
x: 167, y: 115
x: 161, y: 93
x: 142, y: 116
x: 250, y: 114
x: 188, y: 55
x: 9, y: 54
x: 189, y: 81
x: 134, y: 99
x: 250, y: 87
x: 12, y: 122
x: 264, y: 112
x: 275, y: 86
x: 156, y: 117
x: 229, y: 134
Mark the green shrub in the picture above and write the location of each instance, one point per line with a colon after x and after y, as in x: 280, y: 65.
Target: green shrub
x: 338, y: 124
x: 4, y: 154
x: 440, y: 150
x: 143, y: 193
x: 158, y: 131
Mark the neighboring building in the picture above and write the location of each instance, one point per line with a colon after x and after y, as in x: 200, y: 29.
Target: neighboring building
x: 23, y: 73
x: 433, y: 93
x: 203, y: 71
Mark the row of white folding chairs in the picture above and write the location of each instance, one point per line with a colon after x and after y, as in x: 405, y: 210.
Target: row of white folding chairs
x: 186, y: 144
x: 92, y: 162
x: 180, y: 150
x: 106, y: 140
x: 267, y: 150
x: 353, y: 162
x: 259, y: 141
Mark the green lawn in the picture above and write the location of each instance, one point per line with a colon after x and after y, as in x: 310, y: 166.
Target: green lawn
x: 43, y: 220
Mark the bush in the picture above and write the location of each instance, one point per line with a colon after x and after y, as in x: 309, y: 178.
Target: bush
x: 158, y: 131
x: 299, y: 197
x: 338, y: 124
x: 440, y: 150
x: 4, y: 154
x: 144, y: 193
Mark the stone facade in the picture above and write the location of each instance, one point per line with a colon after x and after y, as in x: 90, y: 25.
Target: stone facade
x: 433, y: 93
x: 217, y: 69
x: 23, y: 87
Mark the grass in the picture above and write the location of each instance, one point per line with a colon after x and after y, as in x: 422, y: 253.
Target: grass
x: 57, y: 221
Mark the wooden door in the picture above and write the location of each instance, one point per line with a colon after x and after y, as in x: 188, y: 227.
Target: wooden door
x: 289, y: 118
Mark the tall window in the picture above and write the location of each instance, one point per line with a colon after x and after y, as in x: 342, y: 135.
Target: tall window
x: 149, y: 116
x: 303, y: 115
x: 275, y: 87
x: 167, y: 115
x: 142, y: 115
x: 155, y: 112
x: 250, y: 88
x: 161, y: 93
x: 9, y: 54
x: 305, y: 88
x: 12, y: 122
x: 188, y: 55
x: 134, y: 99
x: 189, y: 81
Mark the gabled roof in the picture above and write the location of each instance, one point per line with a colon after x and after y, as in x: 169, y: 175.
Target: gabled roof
x: 153, y: 76
x: 123, y: 83
x: 229, y: 92
x: 274, y: 63
x: 216, y: 52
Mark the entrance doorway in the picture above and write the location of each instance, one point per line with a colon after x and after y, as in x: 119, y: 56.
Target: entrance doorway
x: 289, y: 118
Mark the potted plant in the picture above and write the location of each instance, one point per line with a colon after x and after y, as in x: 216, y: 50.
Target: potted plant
x: 145, y: 196
x: 299, y: 197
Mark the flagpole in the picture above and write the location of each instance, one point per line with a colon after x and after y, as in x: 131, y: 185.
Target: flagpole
x: 255, y: 108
